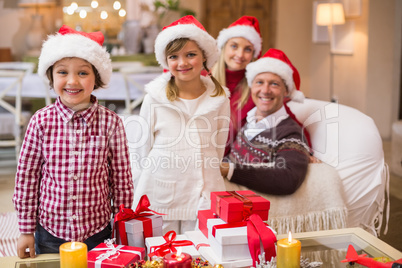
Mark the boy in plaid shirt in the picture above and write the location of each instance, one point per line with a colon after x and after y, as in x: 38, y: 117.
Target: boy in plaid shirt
x: 73, y: 171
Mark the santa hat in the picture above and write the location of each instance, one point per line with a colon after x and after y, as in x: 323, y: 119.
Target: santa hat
x: 246, y: 27
x: 275, y: 61
x: 70, y: 43
x: 186, y: 27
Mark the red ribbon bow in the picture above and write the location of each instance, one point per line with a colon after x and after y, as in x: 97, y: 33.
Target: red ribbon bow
x: 247, y: 203
x: 169, y: 246
x: 256, y: 231
x: 140, y: 212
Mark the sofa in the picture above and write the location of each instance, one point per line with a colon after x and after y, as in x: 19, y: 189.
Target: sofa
x: 349, y: 188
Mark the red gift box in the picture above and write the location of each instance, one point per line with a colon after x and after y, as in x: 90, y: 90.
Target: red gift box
x: 203, y: 216
x: 110, y: 255
x: 234, y: 206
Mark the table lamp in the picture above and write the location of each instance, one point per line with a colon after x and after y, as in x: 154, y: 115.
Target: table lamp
x: 329, y: 14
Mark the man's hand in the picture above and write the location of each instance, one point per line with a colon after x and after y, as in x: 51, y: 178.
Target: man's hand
x: 314, y: 159
x: 26, y: 241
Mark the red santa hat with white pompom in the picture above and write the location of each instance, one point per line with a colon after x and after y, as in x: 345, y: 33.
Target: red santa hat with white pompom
x: 275, y: 61
x: 186, y: 27
x: 246, y: 27
x: 71, y: 43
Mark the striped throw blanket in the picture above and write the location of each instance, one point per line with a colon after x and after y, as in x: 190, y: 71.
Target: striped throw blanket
x: 317, y: 205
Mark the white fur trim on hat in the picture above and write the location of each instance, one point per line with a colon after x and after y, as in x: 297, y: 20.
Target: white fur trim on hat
x: 205, y: 41
x: 247, y: 32
x: 271, y: 65
x: 59, y: 46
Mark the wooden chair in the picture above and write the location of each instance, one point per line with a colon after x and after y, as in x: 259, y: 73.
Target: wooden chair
x: 14, y: 73
x: 127, y: 71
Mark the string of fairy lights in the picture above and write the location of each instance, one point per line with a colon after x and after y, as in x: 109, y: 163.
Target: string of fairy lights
x: 84, y: 10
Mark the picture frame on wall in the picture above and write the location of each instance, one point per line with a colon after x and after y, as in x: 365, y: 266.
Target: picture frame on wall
x: 352, y: 8
x: 343, y: 38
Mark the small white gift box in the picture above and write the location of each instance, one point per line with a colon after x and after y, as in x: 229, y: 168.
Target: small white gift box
x: 229, y: 244
x: 198, y: 238
x: 159, y: 240
x: 135, y: 230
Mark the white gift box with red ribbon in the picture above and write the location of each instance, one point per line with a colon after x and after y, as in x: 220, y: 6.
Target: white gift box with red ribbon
x: 159, y: 240
x: 202, y: 244
x: 135, y: 230
x: 229, y: 244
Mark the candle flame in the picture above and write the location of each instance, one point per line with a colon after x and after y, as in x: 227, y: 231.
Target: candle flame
x: 179, y: 256
x: 73, y: 245
x: 290, y: 237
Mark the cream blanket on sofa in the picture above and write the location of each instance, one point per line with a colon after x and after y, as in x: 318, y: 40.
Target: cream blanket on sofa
x: 317, y: 205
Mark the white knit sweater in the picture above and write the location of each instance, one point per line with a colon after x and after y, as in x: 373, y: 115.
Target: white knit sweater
x: 177, y: 156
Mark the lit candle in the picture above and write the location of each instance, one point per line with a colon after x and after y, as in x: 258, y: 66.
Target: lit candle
x: 177, y: 260
x: 288, y: 252
x: 73, y: 255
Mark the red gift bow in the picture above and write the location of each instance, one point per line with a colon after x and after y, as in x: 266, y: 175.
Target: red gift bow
x: 140, y: 212
x: 169, y: 246
x: 247, y: 203
x: 256, y: 231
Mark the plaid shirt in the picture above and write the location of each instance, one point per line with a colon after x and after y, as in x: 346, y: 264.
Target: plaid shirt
x: 73, y: 166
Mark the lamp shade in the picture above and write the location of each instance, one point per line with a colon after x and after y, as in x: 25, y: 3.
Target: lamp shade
x: 330, y: 14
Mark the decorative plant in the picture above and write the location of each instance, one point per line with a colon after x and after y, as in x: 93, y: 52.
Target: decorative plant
x: 171, y: 5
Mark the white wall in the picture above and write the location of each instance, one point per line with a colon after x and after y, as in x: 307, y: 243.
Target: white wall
x: 368, y: 80
x: 384, y: 60
x: 293, y: 36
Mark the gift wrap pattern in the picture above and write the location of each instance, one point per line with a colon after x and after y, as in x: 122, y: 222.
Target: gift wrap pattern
x: 111, y: 256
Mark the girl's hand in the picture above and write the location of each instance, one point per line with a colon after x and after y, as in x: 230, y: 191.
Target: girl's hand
x: 26, y: 241
x: 224, y: 169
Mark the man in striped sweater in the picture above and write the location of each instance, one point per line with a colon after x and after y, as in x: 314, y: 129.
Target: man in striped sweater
x: 271, y: 153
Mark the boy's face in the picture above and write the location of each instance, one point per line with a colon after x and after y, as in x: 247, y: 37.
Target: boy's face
x: 268, y: 91
x: 74, y: 81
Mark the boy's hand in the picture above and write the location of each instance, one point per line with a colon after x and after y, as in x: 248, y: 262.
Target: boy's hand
x: 26, y: 241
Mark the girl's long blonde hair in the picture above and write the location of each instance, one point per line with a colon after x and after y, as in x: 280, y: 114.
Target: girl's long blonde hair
x: 218, y: 71
x: 172, y: 91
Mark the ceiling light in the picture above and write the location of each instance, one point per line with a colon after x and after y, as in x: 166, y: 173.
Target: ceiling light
x: 94, y: 4
x: 122, y: 13
x: 116, y: 5
x: 103, y: 15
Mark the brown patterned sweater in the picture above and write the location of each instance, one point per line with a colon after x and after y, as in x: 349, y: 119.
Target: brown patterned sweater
x: 274, y: 161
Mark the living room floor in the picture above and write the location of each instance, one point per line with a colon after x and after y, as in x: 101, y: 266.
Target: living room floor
x: 393, y: 237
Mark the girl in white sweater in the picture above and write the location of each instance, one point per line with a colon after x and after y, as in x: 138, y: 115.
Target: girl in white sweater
x: 185, y: 119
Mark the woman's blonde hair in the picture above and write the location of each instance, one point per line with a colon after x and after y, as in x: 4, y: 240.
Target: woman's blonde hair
x: 172, y: 91
x: 219, y: 72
